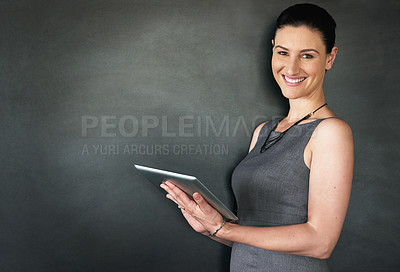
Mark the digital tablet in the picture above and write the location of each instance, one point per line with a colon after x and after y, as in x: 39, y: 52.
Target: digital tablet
x: 188, y: 184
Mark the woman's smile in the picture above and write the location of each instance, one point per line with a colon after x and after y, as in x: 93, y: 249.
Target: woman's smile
x: 293, y: 81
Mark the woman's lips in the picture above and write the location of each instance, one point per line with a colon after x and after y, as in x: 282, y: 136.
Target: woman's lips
x: 293, y: 81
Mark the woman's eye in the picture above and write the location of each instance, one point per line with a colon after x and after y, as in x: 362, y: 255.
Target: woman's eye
x: 283, y: 53
x: 307, y: 56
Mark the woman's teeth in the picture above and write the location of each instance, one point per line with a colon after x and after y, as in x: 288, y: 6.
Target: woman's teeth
x: 293, y: 80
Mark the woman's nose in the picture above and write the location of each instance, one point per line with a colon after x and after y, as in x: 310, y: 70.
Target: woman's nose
x: 293, y: 66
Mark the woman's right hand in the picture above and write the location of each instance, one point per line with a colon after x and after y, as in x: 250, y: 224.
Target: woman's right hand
x: 202, y: 217
x: 196, y: 225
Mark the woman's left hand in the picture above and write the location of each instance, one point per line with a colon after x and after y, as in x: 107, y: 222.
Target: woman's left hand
x: 198, y: 209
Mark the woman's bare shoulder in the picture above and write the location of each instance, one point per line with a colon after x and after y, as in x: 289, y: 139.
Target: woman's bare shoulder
x: 256, y: 133
x: 258, y: 128
x: 332, y: 130
x: 334, y: 125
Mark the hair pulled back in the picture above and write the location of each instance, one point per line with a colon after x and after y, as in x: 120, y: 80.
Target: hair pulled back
x: 312, y: 16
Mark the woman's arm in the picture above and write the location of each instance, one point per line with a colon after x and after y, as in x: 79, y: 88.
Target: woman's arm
x: 331, y: 170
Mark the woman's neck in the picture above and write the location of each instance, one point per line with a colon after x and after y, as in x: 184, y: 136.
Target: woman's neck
x: 301, y: 107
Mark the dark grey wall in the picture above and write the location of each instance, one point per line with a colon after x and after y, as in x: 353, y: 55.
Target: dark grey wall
x: 90, y: 87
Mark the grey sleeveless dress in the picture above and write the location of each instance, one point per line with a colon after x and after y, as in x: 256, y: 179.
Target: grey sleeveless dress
x: 271, y: 189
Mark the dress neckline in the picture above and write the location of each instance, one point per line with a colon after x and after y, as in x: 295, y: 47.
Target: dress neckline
x: 279, y: 132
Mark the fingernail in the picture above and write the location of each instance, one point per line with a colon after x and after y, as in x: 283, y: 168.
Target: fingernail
x: 196, y: 196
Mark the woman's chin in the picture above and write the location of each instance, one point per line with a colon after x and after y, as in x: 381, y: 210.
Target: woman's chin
x: 290, y: 94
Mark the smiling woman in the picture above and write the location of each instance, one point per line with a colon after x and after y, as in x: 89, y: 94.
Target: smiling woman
x: 293, y: 188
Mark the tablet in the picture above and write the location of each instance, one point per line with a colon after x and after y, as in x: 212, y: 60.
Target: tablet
x: 188, y: 184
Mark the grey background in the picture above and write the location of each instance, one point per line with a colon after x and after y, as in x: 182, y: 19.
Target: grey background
x: 64, y: 208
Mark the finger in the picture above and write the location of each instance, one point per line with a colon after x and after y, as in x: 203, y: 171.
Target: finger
x: 165, y: 187
x: 202, y: 203
x: 171, y: 198
x: 171, y: 194
x: 180, y: 196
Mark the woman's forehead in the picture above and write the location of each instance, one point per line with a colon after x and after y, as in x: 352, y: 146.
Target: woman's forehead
x: 300, y: 36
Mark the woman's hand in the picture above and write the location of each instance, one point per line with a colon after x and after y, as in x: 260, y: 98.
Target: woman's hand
x: 196, y: 225
x: 200, y: 215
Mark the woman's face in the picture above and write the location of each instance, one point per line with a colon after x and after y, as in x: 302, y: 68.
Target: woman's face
x: 299, y: 61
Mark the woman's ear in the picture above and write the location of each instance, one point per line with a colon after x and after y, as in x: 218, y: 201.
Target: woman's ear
x: 331, y: 58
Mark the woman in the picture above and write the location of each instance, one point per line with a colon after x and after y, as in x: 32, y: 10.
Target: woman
x: 293, y: 187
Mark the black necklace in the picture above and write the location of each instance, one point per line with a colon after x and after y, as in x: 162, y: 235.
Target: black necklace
x: 267, y: 144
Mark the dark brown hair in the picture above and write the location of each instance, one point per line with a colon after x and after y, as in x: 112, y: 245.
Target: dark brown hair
x: 312, y: 16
